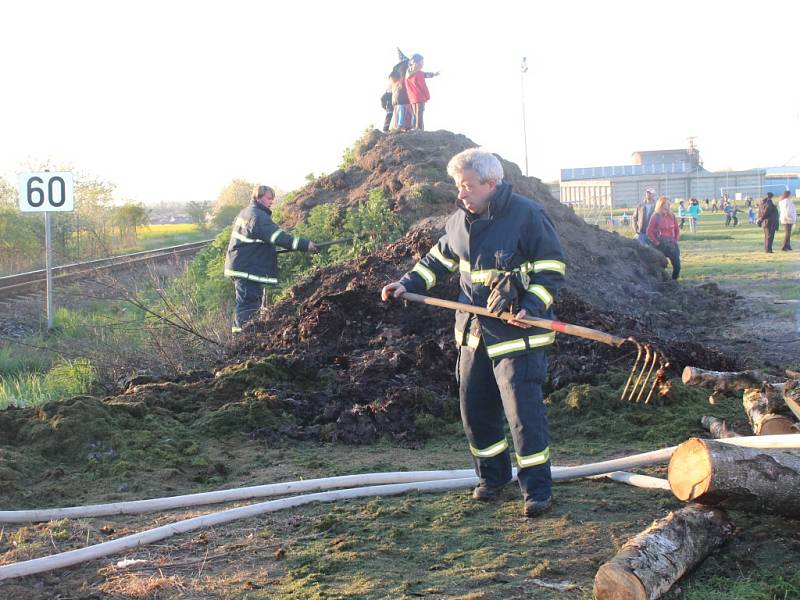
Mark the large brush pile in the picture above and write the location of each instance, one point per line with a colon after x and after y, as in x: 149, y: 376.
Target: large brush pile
x: 613, y: 283
x: 387, y: 362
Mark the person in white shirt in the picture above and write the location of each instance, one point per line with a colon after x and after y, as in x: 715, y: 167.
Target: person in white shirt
x: 788, y: 217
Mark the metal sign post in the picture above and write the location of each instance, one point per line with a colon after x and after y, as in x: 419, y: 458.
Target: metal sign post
x: 47, y: 192
x: 48, y: 257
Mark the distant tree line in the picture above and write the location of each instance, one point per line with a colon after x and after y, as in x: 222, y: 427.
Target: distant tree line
x: 94, y: 229
x: 97, y: 227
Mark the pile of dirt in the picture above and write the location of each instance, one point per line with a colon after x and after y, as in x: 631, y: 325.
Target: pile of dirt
x: 605, y: 270
x: 335, y: 319
x: 613, y: 283
x: 411, y: 171
x: 384, y: 354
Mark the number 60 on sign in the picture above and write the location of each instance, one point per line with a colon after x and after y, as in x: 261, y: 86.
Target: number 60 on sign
x: 46, y: 192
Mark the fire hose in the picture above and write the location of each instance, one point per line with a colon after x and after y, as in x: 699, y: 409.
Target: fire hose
x: 72, y: 557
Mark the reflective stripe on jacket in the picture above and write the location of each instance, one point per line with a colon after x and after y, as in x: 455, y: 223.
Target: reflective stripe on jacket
x: 251, y: 250
x: 514, y: 235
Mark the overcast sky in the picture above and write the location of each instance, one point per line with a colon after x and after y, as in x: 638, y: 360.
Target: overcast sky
x: 171, y: 100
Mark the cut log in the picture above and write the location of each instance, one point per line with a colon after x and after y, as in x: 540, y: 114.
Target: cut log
x: 724, y: 381
x: 712, y: 472
x: 717, y: 427
x: 791, y: 396
x: 649, y: 564
x: 763, y: 406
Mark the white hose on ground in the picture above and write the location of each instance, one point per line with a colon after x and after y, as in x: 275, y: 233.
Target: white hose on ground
x: 232, y: 495
x: 72, y: 557
x: 642, y: 481
x: 784, y: 441
x: 327, y: 483
x: 296, y: 487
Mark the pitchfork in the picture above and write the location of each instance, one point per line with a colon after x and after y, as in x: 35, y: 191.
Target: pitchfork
x: 640, y: 374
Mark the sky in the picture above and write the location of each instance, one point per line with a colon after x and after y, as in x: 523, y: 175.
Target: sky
x: 171, y: 100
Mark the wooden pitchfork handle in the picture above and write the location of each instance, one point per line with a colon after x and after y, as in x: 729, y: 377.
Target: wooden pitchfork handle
x: 576, y: 330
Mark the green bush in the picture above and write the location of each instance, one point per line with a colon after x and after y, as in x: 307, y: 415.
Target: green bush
x: 205, y: 279
x: 371, y: 225
x: 373, y: 222
x: 348, y: 158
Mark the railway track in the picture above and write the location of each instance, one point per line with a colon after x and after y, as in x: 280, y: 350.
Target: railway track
x: 24, y: 283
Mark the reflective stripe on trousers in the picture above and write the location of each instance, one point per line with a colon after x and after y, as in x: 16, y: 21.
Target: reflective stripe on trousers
x: 250, y: 276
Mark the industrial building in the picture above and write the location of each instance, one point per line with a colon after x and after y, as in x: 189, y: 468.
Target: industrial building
x: 677, y: 174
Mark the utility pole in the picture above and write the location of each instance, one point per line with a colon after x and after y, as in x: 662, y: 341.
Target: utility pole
x: 524, y: 69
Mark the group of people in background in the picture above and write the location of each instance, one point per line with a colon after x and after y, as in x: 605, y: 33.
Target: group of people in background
x: 406, y: 95
x: 690, y: 213
x: 655, y: 225
x: 770, y: 217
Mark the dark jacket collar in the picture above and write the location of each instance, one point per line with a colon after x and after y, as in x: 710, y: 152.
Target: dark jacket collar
x: 260, y: 206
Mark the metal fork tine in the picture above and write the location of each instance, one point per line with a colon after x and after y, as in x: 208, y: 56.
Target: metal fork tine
x: 633, y: 369
x: 644, y: 367
x: 650, y: 372
x: 662, y: 365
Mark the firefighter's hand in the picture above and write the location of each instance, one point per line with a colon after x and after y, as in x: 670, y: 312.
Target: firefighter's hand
x: 392, y: 291
x: 504, y: 292
x: 312, y: 247
x: 520, y: 315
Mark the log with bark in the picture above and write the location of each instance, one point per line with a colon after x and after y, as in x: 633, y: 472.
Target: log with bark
x: 649, y: 564
x: 763, y: 408
x: 717, y: 427
x: 724, y: 381
x: 755, y: 480
x: 768, y: 415
x: 791, y: 396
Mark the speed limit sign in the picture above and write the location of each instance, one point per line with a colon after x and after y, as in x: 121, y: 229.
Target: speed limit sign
x: 46, y: 192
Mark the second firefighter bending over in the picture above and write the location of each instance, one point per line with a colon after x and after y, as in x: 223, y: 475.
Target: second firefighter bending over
x: 509, y: 258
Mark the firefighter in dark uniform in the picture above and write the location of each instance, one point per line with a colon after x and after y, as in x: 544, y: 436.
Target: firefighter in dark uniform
x: 251, y: 259
x: 509, y: 258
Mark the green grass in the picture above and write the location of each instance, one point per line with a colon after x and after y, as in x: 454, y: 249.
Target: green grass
x: 169, y: 234
x: 19, y: 359
x: 63, y: 380
x: 734, y: 256
x: 782, y: 587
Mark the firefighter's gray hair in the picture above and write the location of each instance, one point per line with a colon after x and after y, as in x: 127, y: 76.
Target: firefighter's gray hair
x: 483, y: 162
x: 260, y: 190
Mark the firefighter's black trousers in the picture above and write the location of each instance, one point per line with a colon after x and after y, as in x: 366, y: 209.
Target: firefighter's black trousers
x: 248, y: 301
x: 488, y: 389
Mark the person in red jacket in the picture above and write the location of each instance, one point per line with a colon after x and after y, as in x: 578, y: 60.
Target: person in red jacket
x: 417, y: 89
x: 664, y: 233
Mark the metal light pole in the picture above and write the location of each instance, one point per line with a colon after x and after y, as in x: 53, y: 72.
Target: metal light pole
x: 524, y: 69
